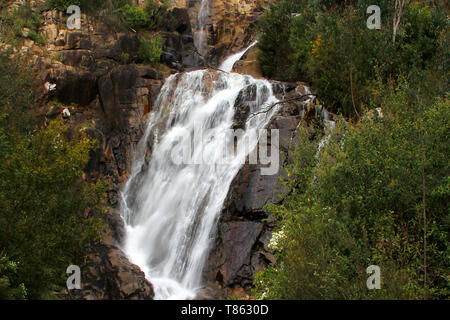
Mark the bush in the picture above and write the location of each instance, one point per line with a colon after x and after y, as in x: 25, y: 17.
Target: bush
x: 49, y: 215
x: 364, y: 204
x: 134, y: 16
x: 158, y: 15
x: 89, y: 6
x: 150, y: 50
x: 124, y: 58
x: 328, y: 44
x: 42, y: 198
x: 8, y: 270
x: 152, y: 17
x: 23, y: 17
x: 17, y: 94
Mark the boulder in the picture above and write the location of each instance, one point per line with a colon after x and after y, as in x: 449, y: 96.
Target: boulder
x: 242, y: 106
x: 238, y: 239
x: 73, y: 85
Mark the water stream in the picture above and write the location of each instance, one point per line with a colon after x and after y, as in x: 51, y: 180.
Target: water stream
x: 171, y: 209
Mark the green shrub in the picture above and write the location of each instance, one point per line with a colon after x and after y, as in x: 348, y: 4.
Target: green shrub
x: 150, y: 50
x: 17, y: 94
x: 20, y: 18
x: 89, y: 6
x: 125, y: 57
x: 49, y: 215
x: 363, y: 203
x: 43, y: 201
x: 8, y: 291
x: 328, y: 44
x: 134, y: 16
x: 152, y: 17
x: 157, y: 14
x: 36, y: 37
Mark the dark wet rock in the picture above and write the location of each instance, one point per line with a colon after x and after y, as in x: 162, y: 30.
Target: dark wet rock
x: 282, y: 88
x: 74, y: 85
x: 238, y: 239
x: 242, y: 106
x: 179, y: 51
x: 182, y: 22
x: 127, y: 89
x: 187, y: 38
x: 108, y: 275
x: 245, y: 226
x: 125, y: 43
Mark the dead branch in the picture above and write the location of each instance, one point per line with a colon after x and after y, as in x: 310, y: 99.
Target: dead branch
x: 399, y: 4
x: 353, y: 93
x: 299, y: 98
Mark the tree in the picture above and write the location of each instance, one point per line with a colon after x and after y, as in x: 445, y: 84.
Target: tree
x: 399, y: 5
x: 363, y: 204
x: 49, y: 216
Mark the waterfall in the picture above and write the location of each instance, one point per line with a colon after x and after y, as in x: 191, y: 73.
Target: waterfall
x: 171, y: 210
x: 228, y: 64
x: 200, y: 35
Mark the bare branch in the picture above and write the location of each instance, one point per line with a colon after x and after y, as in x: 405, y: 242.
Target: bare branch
x: 353, y: 93
x: 299, y: 98
x: 399, y: 4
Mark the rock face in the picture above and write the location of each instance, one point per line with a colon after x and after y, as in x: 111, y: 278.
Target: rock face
x: 107, y: 98
x: 230, y: 24
x: 249, y: 64
x: 179, y: 51
x: 108, y: 274
x: 244, y: 229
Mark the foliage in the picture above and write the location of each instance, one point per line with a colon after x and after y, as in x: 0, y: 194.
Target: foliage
x: 152, y: 17
x: 8, y: 269
x: 124, y: 58
x: 329, y: 44
x: 49, y: 215
x: 14, y: 24
x: 42, y: 202
x: 363, y: 203
x: 274, y: 39
x: 150, y: 50
x: 17, y: 94
x: 89, y: 6
x: 156, y: 14
x: 134, y: 16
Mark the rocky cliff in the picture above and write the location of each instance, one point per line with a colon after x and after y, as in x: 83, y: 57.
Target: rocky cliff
x: 84, y: 76
x: 245, y: 226
x: 230, y: 24
x: 108, y: 97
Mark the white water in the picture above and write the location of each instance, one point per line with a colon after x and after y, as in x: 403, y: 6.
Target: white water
x: 200, y: 35
x: 171, y: 210
x: 328, y: 126
x: 228, y: 64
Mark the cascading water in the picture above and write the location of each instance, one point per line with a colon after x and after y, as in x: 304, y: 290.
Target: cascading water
x: 171, y: 210
x: 200, y: 34
x: 228, y: 64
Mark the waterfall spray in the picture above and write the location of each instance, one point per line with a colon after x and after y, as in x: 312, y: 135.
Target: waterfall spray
x: 171, y: 210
